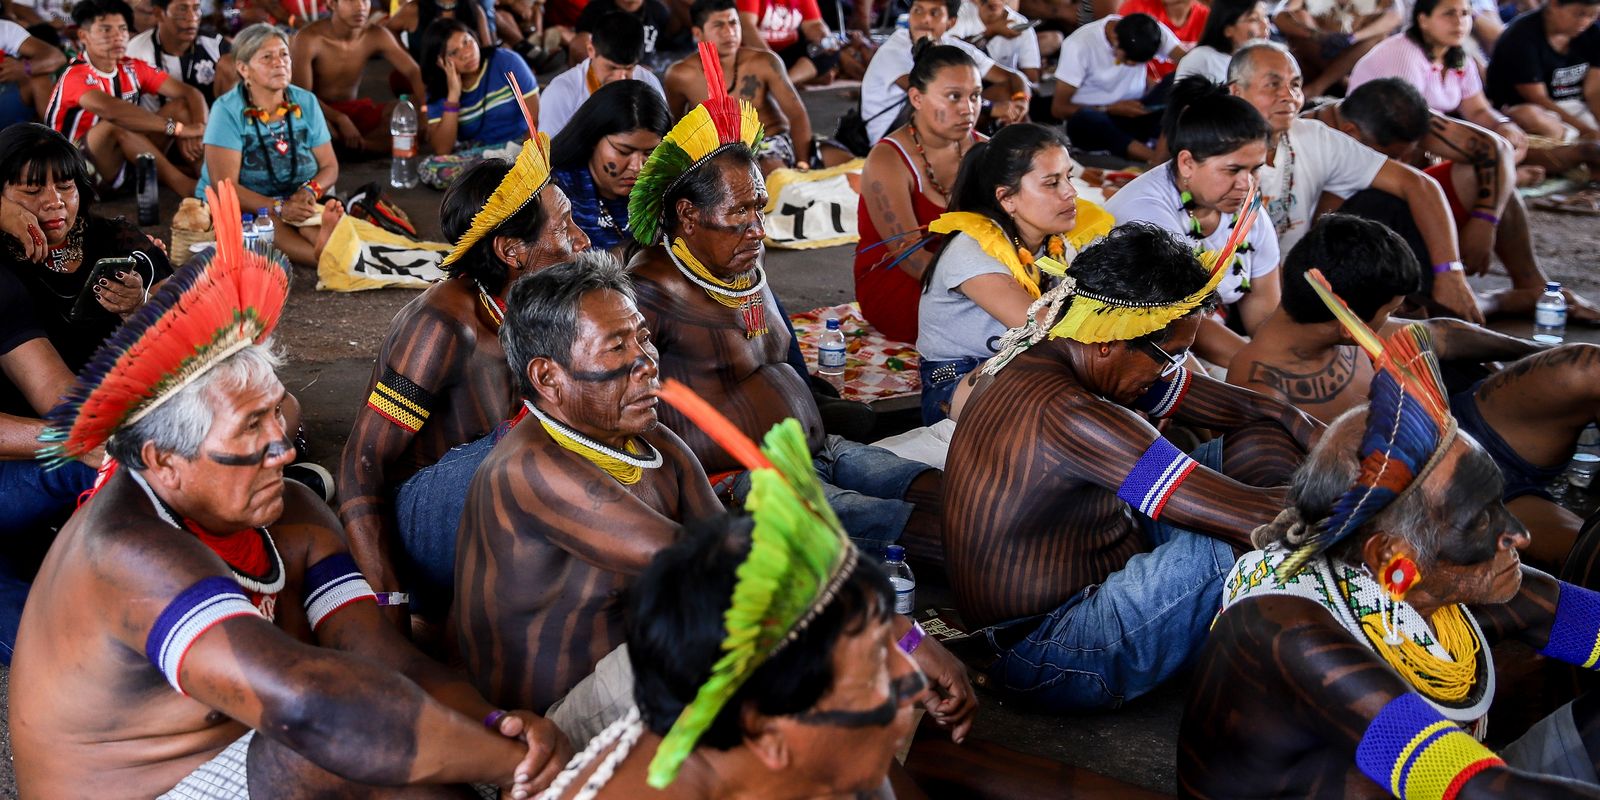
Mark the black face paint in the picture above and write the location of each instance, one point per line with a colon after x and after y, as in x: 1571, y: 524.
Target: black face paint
x: 608, y: 375
x: 1468, y: 543
x: 880, y: 716
x: 740, y: 230
x: 272, y: 450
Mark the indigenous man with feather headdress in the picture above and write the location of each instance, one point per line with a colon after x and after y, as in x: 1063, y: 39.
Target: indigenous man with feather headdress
x: 1091, y: 546
x: 197, y: 600
x: 1353, y: 654
x: 441, y: 379
x: 697, y: 208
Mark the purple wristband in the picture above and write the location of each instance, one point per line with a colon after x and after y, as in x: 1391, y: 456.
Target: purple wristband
x: 1448, y: 266
x: 912, y: 638
x: 492, y: 721
x: 1486, y: 217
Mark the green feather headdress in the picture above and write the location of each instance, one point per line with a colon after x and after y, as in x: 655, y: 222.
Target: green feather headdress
x: 799, y: 555
x: 705, y: 131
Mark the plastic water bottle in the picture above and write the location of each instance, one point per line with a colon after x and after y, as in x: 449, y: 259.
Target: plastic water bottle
x: 905, y: 584
x: 403, y: 131
x: 250, y: 239
x: 149, y: 191
x: 1585, y: 459
x: 830, y: 351
x: 1550, y: 315
x: 265, y: 231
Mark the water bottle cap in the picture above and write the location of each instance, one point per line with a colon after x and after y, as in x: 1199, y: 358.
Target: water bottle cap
x: 833, y: 323
x: 895, y: 552
x: 261, y: 212
x: 251, y: 218
x: 405, y: 98
x: 1553, y: 286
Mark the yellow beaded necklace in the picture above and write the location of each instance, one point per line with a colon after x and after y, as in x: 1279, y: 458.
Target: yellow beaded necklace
x: 744, y: 292
x: 626, y: 467
x: 1445, y: 681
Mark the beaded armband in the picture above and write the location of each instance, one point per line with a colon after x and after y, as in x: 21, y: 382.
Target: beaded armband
x: 1417, y: 754
x: 193, y: 612
x: 397, y: 399
x: 1575, y: 634
x: 1163, y: 397
x: 331, y: 584
x: 1155, y: 477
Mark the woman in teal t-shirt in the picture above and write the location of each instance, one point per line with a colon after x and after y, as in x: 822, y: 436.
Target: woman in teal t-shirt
x: 271, y: 139
x: 471, y: 105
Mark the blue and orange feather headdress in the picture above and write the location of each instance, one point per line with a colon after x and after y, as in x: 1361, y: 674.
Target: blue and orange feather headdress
x: 1409, y: 427
x: 709, y: 128
x: 207, y: 311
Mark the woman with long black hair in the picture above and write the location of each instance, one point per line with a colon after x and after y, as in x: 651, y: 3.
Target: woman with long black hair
x: 596, y: 157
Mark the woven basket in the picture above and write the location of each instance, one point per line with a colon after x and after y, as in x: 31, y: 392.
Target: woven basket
x: 184, y: 238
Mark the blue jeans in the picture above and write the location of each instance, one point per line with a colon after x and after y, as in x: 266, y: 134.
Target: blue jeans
x: 427, y: 512
x: 1118, y: 640
x: 939, y: 382
x: 864, y: 484
x: 36, y: 499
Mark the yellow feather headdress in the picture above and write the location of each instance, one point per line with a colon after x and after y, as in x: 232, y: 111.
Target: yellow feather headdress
x: 1093, y: 319
x: 528, y: 176
x: 705, y: 131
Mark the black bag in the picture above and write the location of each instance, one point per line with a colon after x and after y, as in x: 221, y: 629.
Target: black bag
x: 852, y: 131
x: 369, y: 204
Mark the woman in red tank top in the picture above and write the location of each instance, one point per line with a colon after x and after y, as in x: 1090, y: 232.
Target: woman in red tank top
x: 905, y: 185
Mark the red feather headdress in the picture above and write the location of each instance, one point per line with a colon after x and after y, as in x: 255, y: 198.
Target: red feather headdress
x: 204, y: 313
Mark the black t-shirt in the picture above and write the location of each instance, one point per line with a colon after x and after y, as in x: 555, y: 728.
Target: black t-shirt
x: 17, y: 327
x: 54, y: 293
x: 1523, y: 55
x: 653, y: 14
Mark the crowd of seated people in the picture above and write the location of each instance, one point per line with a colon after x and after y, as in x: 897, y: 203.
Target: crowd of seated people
x: 595, y: 526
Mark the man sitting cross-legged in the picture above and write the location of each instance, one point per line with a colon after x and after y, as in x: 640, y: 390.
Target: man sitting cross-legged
x: 756, y: 76
x: 96, y: 102
x: 1354, y: 656
x: 330, y: 56
x: 197, y: 599
x: 701, y: 286
x: 441, y: 379
x: 1478, y: 173
x: 574, y: 501
x: 1093, y: 546
x: 1527, y: 417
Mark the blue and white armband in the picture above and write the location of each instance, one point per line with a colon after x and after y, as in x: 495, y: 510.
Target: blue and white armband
x: 193, y: 612
x: 1164, y: 397
x: 1155, y: 477
x: 1575, y: 634
x: 331, y: 584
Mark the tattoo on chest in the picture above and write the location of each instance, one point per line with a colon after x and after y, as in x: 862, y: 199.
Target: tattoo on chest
x: 1322, y: 385
x: 749, y: 86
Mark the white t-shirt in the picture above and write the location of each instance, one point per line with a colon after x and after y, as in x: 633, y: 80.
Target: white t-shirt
x: 950, y: 324
x: 55, y: 12
x: 12, y: 36
x: 1205, y: 61
x: 1313, y: 158
x: 560, y: 99
x: 893, y: 60
x: 1153, y: 198
x: 1089, y: 63
x: 1021, y: 52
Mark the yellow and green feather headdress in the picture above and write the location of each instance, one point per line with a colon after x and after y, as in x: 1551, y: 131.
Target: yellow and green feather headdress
x: 799, y: 556
x: 718, y: 123
x: 529, y: 174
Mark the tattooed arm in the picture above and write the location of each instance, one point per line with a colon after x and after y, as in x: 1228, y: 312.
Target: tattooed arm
x: 1112, y: 447
x: 1210, y: 403
x: 428, y: 356
x: 1335, y: 688
x: 888, y: 198
x: 1454, y: 340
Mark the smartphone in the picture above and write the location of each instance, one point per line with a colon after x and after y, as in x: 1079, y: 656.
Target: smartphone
x: 103, y: 269
x: 1021, y: 25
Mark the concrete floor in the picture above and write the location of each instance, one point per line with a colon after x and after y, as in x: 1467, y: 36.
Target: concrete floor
x: 330, y: 340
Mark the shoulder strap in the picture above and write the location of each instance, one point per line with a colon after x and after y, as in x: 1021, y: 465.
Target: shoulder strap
x: 916, y: 174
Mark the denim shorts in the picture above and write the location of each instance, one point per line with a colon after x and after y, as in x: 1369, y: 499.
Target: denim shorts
x: 865, y: 485
x: 939, y: 382
x: 1117, y: 640
x: 427, y: 512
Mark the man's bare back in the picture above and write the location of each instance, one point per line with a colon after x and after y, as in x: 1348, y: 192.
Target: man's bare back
x: 1323, y: 384
x: 750, y: 77
x: 91, y: 715
x: 703, y: 344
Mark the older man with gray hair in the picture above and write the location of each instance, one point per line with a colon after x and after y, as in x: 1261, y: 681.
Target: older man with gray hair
x: 574, y: 501
x: 1307, y: 160
x: 197, y: 600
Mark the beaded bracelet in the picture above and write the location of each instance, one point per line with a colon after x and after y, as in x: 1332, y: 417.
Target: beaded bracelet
x: 1486, y: 217
x: 386, y: 599
x: 452, y: 107
x: 313, y: 187
x: 1448, y: 266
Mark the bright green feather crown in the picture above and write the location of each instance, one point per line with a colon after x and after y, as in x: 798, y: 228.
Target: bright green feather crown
x: 707, y: 129
x: 799, y: 556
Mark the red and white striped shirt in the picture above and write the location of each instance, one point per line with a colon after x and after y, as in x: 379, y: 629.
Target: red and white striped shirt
x: 130, y: 81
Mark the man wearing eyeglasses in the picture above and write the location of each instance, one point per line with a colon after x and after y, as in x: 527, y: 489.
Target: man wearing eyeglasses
x: 1088, y: 547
